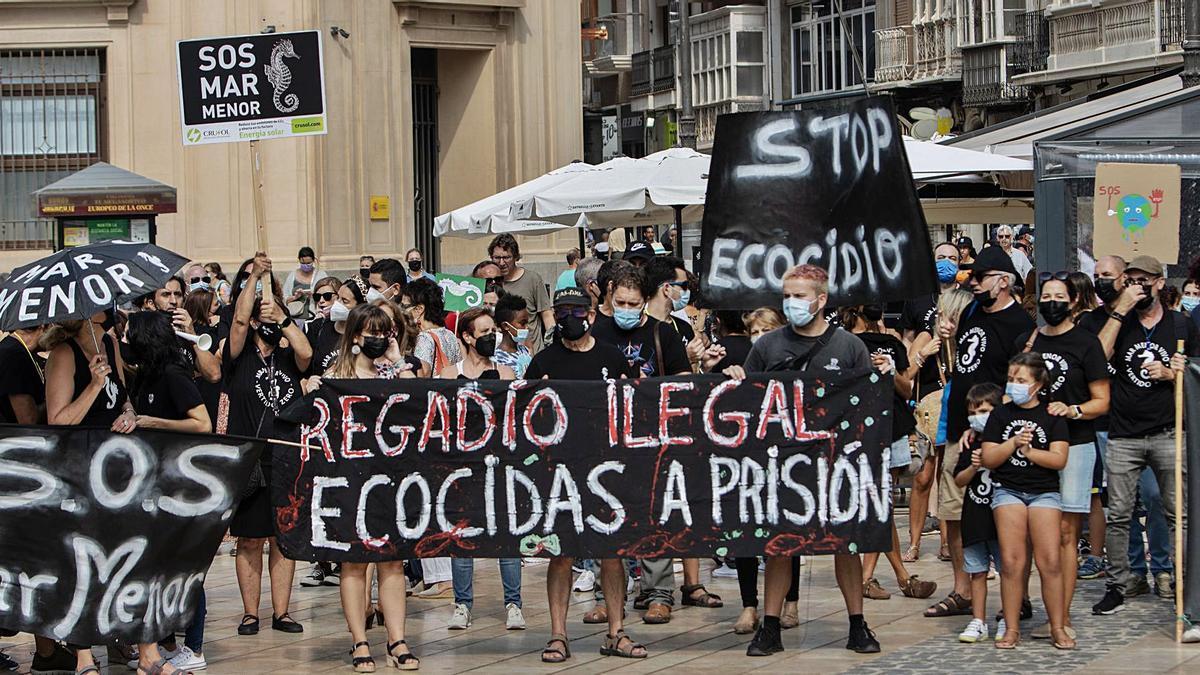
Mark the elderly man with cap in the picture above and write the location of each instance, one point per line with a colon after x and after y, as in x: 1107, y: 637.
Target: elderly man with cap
x: 576, y: 355
x: 985, y: 341
x: 1140, y: 339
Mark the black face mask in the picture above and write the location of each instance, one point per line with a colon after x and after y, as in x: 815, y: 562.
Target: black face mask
x: 1054, y: 311
x: 573, y: 328
x: 414, y: 265
x: 1147, y: 301
x: 872, y: 312
x: 486, y: 345
x: 270, y: 333
x: 364, y: 272
x: 129, y: 354
x: 984, y: 298
x: 374, y: 347
x: 1106, y: 290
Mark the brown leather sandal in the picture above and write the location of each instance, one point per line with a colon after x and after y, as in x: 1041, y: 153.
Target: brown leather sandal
x: 612, y: 647
x: 705, y: 599
x: 554, y: 654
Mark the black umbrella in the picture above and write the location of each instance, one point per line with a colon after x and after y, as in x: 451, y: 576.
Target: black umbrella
x: 76, y: 283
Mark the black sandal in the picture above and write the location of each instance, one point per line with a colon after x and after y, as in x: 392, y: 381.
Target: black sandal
x: 248, y: 627
x: 362, y: 664
x: 953, y: 605
x: 612, y: 647
x: 405, y: 661
x: 706, y: 599
x: 555, y: 655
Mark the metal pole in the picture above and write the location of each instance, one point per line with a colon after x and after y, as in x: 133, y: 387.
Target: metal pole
x: 687, y: 119
x: 1191, y: 43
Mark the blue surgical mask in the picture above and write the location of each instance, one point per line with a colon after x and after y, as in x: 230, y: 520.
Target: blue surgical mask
x: 1019, y: 393
x: 978, y: 422
x: 947, y: 270
x: 627, y: 319
x: 1190, y: 303
x: 798, y: 312
x: 199, y: 286
x: 684, y: 298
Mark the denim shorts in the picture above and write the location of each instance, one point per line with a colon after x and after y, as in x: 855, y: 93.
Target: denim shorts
x: 901, y: 454
x: 977, y: 555
x: 1045, y: 500
x: 1075, y: 479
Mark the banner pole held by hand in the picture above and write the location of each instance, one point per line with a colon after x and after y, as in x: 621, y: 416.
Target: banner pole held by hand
x: 260, y: 218
x: 1179, y: 617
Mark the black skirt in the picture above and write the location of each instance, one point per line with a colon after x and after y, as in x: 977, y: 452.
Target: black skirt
x: 254, y: 518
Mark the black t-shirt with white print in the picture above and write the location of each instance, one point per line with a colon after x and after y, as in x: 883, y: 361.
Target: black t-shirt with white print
x: 325, y: 341
x: 640, y: 347
x: 258, y: 388
x: 984, y: 344
x: 168, y: 395
x: 1141, y: 406
x: 883, y: 344
x: 1018, y: 472
x: 977, y: 522
x: 1074, y: 360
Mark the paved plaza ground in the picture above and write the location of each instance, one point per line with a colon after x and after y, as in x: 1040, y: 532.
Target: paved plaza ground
x: 1137, y: 640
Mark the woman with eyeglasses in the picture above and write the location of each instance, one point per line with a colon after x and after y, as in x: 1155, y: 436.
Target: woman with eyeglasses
x: 1079, y: 392
x: 369, y: 350
x: 334, y: 300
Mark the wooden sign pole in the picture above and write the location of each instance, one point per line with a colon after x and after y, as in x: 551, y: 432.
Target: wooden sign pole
x: 260, y: 218
x: 1179, y: 616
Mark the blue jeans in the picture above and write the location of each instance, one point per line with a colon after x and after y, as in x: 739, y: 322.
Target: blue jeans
x: 194, y: 636
x: 1156, y: 525
x: 463, y: 570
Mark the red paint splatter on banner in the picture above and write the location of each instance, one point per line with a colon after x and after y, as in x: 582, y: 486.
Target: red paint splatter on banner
x: 288, y: 517
x: 436, y: 545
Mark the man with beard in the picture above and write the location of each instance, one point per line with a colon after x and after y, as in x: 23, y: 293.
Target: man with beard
x: 169, y: 301
x: 1140, y: 337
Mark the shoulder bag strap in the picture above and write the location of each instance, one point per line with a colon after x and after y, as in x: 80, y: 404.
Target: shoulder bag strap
x: 658, y: 355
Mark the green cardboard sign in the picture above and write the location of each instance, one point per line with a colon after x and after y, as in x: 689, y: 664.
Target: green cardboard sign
x: 460, y: 293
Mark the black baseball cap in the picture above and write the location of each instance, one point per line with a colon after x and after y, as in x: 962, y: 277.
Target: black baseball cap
x: 571, y: 297
x: 639, y: 249
x: 994, y: 259
x: 964, y: 242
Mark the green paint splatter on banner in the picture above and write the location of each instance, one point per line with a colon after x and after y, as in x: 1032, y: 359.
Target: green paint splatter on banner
x: 845, y: 424
x: 854, y: 400
x: 820, y: 392
x: 531, y: 459
x: 853, y: 547
x: 722, y: 551
x: 869, y: 421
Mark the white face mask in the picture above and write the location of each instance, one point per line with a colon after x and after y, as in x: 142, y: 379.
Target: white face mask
x: 338, y: 311
x: 373, y: 295
x: 978, y: 422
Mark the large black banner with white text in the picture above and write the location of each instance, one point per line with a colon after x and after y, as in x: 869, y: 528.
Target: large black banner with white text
x: 105, y: 535
x: 836, y: 191
x: 632, y: 468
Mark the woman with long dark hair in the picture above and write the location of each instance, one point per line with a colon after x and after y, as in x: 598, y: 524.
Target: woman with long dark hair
x: 437, y: 348
x: 85, y: 385
x: 167, y: 397
x: 369, y: 351
x: 334, y: 302
x: 263, y: 359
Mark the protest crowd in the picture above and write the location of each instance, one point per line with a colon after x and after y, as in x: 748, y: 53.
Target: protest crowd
x: 1026, y: 441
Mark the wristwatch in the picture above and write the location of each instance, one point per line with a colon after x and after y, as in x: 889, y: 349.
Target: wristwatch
x: 1078, y: 411
x: 287, y: 321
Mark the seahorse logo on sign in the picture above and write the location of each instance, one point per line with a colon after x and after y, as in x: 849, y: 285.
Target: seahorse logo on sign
x: 281, y: 78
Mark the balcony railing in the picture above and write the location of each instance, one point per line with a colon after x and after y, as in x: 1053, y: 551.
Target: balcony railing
x: 893, y: 54
x: 1032, y: 49
x: 985, y: 77
x: 935, y: 41
x: 653, y: 71
x: 1171, y: 24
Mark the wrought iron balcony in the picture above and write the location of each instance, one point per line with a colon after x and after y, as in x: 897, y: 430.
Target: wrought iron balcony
x: 985, y: 77
x: 893, y: 54
x: 1032, y: 49
x: 653, y: 71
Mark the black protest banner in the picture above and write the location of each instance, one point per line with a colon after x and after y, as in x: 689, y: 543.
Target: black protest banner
x: 249, y: 87
x: 787, y: 188
x: 1191, y: 382
x: 110, y: 536
x: 631, y: 468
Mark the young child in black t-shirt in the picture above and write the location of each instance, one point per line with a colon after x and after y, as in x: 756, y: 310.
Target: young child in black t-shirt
x: 980, y: 546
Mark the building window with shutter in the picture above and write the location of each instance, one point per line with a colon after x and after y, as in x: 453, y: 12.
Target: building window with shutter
x: 52, y: 112
x: 833, y: 45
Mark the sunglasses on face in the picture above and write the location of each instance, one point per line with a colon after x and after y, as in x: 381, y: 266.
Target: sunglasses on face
x: 206, y: 279
x: 1057, y: 276
x: 325, y: 297
x: 678, y: 284
x: 981, y: 276
x: 577, y: 312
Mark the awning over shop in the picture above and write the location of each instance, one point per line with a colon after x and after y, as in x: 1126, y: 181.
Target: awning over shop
x: 103, y: 189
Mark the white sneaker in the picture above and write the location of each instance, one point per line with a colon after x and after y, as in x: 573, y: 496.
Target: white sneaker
x: 461, y: 619
x: 1192, y: 634
x: 976, y: 631
x: 1001, y: 629
x: 724, y: 572
x: 630, y: 586
x: 585, y: 582
x: 516, y: 620
x: 187, y: 660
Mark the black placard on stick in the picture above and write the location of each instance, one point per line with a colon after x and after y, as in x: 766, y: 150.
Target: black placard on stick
x: 787, y: 188
x: 251, y: 87
x: 632, y: 468
x: 110, y: 536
